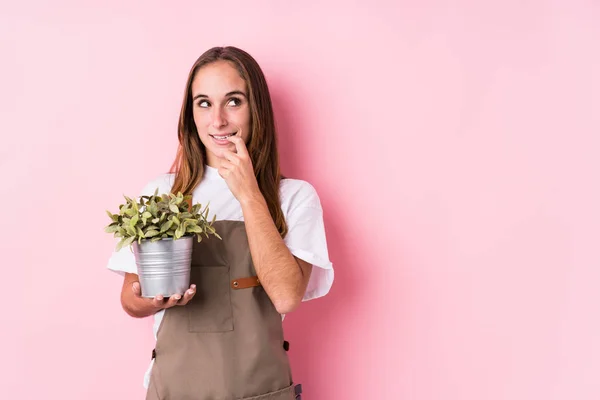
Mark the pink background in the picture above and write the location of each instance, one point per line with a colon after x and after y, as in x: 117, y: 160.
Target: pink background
x: 454, y: 146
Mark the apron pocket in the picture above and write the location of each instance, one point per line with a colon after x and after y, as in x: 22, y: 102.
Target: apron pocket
x: 210, y: 309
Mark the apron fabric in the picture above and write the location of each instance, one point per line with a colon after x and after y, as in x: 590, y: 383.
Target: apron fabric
x: 227, y: 342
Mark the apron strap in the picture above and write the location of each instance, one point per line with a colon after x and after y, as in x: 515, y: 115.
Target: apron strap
x: 244, y: 283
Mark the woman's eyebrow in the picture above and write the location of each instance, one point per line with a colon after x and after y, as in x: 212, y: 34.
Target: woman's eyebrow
x: 235, y: 92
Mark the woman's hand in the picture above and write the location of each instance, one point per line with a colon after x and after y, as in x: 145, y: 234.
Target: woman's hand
x: 160, y: 302
x: 237, y: 170
x: 139, y: 307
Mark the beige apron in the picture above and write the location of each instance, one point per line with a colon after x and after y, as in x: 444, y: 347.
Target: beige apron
x: 227, y: 343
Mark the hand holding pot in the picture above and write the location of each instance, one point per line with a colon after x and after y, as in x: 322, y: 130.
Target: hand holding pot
x: 159, y: 301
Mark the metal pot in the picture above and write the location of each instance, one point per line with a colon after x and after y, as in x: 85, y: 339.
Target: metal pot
x: 164, y: 266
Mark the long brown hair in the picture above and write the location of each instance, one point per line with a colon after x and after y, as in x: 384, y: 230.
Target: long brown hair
x: 262, y: 147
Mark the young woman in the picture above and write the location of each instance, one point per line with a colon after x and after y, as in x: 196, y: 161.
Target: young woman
x: 223, y: 337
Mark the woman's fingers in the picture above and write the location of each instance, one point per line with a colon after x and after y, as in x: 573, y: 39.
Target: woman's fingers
x: 173, y: 300
x: 136, y: 288
x: 231, y: 157
x: 188, y: 295
x: 158, y: 301
x: 240, y: 146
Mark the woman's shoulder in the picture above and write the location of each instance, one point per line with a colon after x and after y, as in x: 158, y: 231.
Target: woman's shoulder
x: 297, y: 193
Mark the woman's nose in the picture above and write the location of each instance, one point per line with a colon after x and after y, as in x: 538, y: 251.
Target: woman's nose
x: 218, y: 118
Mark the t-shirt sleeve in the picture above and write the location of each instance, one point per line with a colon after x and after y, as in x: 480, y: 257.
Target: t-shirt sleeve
x: 306, y: 240
x: 123, y: 261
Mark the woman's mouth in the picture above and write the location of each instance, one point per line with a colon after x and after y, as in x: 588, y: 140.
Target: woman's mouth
x: 222, y: 139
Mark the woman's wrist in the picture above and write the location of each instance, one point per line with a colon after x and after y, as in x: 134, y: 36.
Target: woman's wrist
x: 253, y: 200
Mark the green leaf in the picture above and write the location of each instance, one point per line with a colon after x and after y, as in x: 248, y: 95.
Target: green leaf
x: 194, y: 229
x: 179, y: 232
x: 113, y: 217
x: 174, y: 208
x: 120, y: 245
x: 175, y: 220
x: 151, y: 233
x: 128, y: 241
x: 184, y: 226
x: 125, y: 242
x: 130, y: 230
x: 134, y: 220
x: 112, y: 228
x: 165, y: 227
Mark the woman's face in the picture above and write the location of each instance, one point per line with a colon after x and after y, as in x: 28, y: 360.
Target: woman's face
x: 220, y: 104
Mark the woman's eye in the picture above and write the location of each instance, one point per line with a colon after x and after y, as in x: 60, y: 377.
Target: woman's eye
x: 234, y: 102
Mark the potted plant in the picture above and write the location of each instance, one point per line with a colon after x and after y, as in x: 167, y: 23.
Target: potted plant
x: 160, y: 230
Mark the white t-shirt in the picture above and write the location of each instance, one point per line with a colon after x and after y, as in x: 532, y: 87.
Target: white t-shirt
x: 303, y: 214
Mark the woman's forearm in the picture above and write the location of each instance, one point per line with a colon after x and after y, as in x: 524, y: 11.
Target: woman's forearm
x: 276, y: 267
